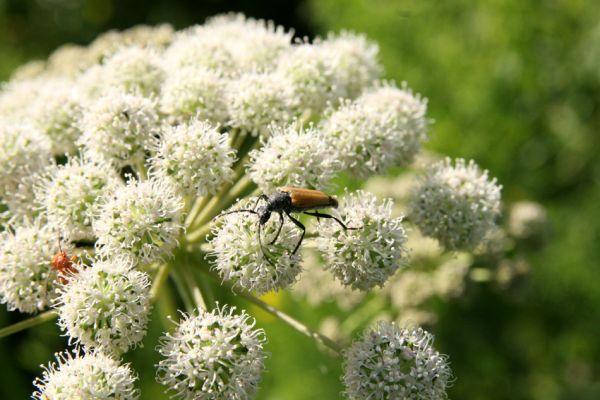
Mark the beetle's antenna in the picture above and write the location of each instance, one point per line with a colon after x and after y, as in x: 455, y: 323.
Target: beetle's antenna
x: 262, y: 247
x: 237, y: 211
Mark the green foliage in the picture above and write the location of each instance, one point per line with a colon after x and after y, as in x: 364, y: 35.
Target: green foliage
x: 514, y: 84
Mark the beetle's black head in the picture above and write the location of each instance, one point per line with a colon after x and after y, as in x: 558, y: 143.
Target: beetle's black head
x: 263, y: 215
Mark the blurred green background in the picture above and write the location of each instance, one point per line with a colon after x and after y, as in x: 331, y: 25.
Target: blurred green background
x: 513, y: 84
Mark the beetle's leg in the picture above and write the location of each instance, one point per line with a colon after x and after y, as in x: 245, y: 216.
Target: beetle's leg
x: 278, y: 230
x: 321, y: 215
x: 261, y: 197
x: 299, y: 225
x: 262, y: 247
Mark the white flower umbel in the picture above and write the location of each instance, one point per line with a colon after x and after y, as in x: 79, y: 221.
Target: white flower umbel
x: 194, y: 91
x: 403, y: 117
x: 295, y: 157
x: 238, y: 256
x: 56, y: 112
x: 382, y: 128
x: 354, y: 60
x: 310, y: 74
x: 256, y: 44
x: 24, y: 152
x: 367, y: 256
x: 212, y: 356
x: 16, y: 97
x: 257, y: 100
x: 69, y: 194
x: 456, y: 203
x: 86, y: 376
x: 28, y: 282
x: 105, y: 306
x: 140, y: 222
x: 134, y: 70
x: 195, y: 156
x: 392, y: 363
x: 119, y: 127
x: 197, y: 47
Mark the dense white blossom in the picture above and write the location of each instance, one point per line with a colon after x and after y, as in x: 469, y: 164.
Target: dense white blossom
x: 119, y: 128
x: 195, y: 156
x: 28, y: 282
x: 197, y: 47
x: 144, y: 36
x: 310, y: 74
x: 368, y: 255
x: 24, y: 152
x: 134, y: 70
x: 456, y: 203
x: 382, y: 128
x: 56, y: 112
x: 69, y: 194
x: 16, y: 97
x: 194, y: 91
x: 86, y: 376
x: 140, y: 222
x: 239, y: 258
x: 256, y: 44
x: 354, y: 60
x: 105, y: 306
x: 212, y: 355
x: 392, y: 363
x: 293, y: 156
x: 256, y: 100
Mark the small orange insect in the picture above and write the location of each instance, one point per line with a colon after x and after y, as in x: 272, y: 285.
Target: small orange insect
x: 62, y: 264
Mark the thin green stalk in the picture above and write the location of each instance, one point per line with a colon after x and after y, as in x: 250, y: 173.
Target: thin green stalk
x: 141, y: 171
x: 199, y: 204
x: 159, y: 280
x: 291, y: 321
x: 219, y: 203
x: 214, y: 200
x: 28, y: 323
x: 190, y: 281
x: 236, y: 139
x: 186, y: 297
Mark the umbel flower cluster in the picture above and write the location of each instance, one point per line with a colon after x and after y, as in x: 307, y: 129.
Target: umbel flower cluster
x: 148, y: 154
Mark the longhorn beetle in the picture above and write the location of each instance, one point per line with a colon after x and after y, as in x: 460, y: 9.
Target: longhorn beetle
x: 289, y: 200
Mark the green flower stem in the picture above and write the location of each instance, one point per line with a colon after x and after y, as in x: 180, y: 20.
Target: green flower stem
x: 28, y: 323
x: 199, y: 234
x: 159, y: 280
x: 219, y: 203
x: 291, y: 321
x: 166, y: 306
x: 182, y: 289
x: 236, y: 139
x: 214, y: 200
x: 142, y: 172
x: 199, y: 204
x: 197, y: 295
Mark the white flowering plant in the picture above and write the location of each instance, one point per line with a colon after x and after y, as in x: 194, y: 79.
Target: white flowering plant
x: 151, y: 157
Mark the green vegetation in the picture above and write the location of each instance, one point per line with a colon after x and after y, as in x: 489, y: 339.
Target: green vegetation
x: 516, y: 86
x: 513, y: 84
